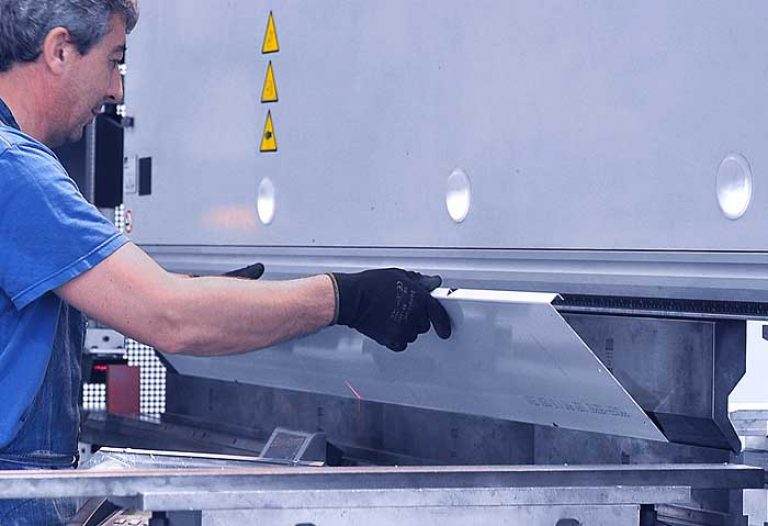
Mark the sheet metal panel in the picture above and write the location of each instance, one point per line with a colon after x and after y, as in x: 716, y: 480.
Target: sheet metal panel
x: 581, y: 125
x: 511, y: 356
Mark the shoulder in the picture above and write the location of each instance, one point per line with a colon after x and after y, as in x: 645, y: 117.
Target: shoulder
x: 11, y: 139
x: 25, y: 160
x: 19, y: 151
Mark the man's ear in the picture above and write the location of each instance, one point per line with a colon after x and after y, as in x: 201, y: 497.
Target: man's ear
x: 57, y: 50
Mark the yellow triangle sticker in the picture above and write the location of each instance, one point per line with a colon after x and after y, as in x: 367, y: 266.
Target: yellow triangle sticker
x: 268, y: 139
x: 269, y: 92
x: 270, y: 37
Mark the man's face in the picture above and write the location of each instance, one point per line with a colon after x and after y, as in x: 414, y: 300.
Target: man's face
x: 90, y: 81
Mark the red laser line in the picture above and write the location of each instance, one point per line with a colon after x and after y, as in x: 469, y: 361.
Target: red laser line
x: 354, y: 391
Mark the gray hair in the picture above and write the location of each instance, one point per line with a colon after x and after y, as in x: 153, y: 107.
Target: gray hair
x: 24, y: 24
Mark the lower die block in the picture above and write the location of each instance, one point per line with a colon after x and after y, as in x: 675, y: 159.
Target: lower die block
x: 123, y: 382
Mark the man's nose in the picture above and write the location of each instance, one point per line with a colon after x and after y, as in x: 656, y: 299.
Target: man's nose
x: 115, y: 93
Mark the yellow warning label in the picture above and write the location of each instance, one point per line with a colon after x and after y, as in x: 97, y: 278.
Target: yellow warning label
x: 269, y: 93
x: 268, y: 139
x: 270, y: 37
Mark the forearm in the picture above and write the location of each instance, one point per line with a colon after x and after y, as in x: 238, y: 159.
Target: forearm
x: 227, y: 315
x: 202, y: 316
x: 218, y: 316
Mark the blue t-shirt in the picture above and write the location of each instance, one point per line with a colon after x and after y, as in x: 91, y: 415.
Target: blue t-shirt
x: 49, y: 234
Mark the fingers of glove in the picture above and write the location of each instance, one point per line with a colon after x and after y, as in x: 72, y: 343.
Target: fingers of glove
x: 397, y: 346
x: 410, y: 274
x: 382, y: 338
x: 440, y: 319
x: 422, y: 324
x: 430, y: 282
x: 396, y: 339
x: 250, y: 272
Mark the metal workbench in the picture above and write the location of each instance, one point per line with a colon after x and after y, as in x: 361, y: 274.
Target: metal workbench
x: 382, y: 495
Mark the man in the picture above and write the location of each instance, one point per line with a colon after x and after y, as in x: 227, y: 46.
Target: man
x: 58, y: 65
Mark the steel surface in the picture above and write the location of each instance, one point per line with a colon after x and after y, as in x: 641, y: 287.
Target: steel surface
x: 616, y: 515
x: 580, y: 125
x: 511, y: 356
x: 722, y: 276
x: 131, y: 483
x: 648, y: 356
x: 211, y: 499
x: 593, y: 163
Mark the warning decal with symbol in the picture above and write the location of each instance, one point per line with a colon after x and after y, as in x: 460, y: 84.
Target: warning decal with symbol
x: 270, y: 37
x: 268, y: 139
x: 269, y: 93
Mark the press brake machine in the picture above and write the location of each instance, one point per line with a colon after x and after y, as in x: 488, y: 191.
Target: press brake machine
x: 586, y: 177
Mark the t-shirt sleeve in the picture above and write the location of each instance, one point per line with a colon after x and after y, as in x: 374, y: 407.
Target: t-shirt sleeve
x: 49, y: 233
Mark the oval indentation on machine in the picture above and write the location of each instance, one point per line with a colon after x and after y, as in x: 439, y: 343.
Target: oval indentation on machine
x: 265, y: 203
x: 458, y: 198
x: 734, y: 186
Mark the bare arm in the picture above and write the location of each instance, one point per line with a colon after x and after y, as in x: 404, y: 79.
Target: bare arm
x: 205, y: 316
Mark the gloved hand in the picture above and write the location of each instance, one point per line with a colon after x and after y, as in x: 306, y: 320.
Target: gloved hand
x: 250, y: 272
x: 391, y: 306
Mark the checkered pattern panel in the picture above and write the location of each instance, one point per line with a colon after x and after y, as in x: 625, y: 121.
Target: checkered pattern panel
x: 152, y: 390
x: 94, y: 397
x: 120, y: 218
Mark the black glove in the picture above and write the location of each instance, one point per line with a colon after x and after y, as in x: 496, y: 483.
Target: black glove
x: 250, y: 272
x: 391, y: 306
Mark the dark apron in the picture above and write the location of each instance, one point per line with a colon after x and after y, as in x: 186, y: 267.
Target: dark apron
x: 49, y: 435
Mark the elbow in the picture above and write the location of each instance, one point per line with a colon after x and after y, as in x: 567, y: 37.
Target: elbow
x: 178, y: 342
x: 167, y: 344
x: 161, y: 318
x: 171, y: 336
x: 176, y: 330
x: 170, y: 345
